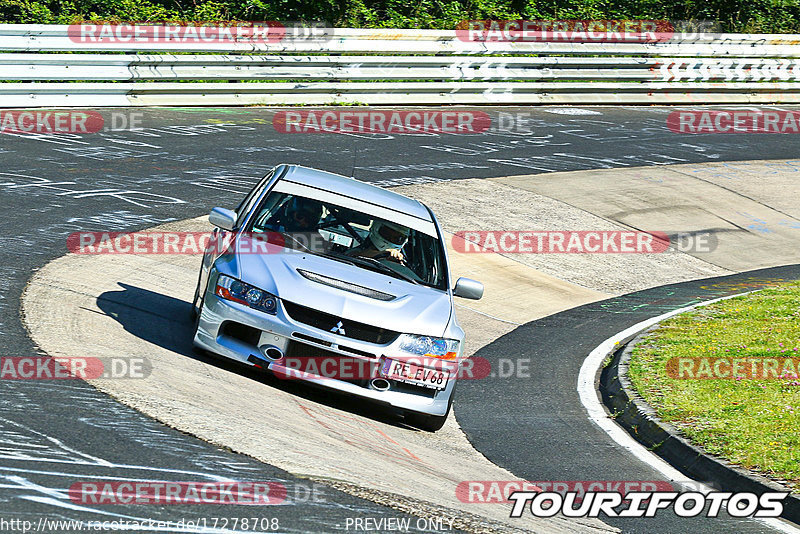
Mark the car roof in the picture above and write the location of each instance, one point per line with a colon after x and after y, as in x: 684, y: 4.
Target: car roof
x: 350, y: 187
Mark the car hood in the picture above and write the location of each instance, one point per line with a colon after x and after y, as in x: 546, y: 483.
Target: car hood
x: 416, y: 309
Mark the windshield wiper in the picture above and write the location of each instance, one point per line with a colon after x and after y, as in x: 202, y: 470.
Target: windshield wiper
x: 316, y: 252
x: 293, y: 238
x: 366, y: 260
x: 335, y: 257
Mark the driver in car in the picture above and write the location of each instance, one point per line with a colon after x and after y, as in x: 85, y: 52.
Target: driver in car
x: 299, y: 219
x: 298, y: 215
x: 385, y: 238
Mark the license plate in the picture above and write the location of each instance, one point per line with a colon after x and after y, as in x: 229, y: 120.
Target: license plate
x: 414, y: 374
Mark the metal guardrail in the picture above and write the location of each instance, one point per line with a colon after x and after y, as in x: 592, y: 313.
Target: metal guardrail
x: 444, y: 69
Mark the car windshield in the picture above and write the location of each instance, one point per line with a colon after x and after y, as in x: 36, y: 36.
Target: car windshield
x: 350, y: 236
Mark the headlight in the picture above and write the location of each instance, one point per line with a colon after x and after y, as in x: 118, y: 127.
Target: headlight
x: 237, y: 291
x: 432, y: 347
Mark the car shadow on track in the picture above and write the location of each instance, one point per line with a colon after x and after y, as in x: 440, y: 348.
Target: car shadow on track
x: 165, y: 321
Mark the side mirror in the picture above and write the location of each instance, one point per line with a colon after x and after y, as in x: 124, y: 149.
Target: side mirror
x: 223, y: 218
x: 468, y: 289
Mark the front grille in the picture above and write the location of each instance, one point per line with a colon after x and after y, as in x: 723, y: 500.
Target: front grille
x: 351, y: 350
x: 301, y: 350
x: 356, y: 351
x: 312, y: 339
x: 340, y: 367
x: 330, y: 323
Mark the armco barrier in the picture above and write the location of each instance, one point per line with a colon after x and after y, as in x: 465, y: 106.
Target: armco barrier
x: 393, y: 67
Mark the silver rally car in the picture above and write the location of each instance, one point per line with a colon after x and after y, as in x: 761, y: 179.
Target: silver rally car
x: 329, y: 280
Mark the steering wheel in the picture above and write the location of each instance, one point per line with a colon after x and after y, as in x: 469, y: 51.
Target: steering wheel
x: 387, y: 255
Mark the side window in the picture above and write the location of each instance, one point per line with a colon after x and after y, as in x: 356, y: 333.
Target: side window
x: 247, y: 204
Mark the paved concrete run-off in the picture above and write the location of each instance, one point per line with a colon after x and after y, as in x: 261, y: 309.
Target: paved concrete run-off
x: 751, y: 207
x: 513, y: 204
x: 131, y: 305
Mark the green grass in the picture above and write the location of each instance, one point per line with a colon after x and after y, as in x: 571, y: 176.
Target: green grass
x: 751, y: 16
x: 752, y: 423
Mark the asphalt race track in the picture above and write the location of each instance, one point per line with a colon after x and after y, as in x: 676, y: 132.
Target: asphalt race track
x: 543, y: 415
x: 182, y: 162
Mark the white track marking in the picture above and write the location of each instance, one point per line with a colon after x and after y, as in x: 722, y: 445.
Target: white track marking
x: 144, y: 523
x: 593, y: 404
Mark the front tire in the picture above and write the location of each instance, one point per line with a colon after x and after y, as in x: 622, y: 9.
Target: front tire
x: 426, y: 422
x: 197, y: 304
x: 194, y: 315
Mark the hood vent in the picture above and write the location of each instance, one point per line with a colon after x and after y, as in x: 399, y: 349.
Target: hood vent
x: 346, y: 286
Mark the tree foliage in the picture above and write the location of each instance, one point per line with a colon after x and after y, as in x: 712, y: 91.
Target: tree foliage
x: 746, y: 16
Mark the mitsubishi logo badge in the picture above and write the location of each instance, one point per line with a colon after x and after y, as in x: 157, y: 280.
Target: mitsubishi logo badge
x: 338, y: 329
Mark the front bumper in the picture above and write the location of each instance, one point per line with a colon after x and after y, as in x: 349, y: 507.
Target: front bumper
x: 287, y: 335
